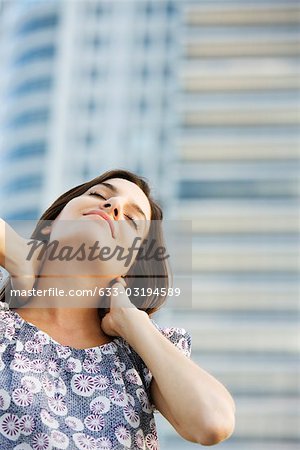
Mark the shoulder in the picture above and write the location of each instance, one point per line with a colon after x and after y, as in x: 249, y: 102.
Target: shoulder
x: 6, y: 316
x: 8, y: 324
x: 179, y: 336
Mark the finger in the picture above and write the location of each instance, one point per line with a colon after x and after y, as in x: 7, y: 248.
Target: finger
x: 121, y: 300
x: 122, y: 281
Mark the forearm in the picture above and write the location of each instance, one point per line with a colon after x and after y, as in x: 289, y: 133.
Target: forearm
x: 194, y: 398
x: 13, y: 257
x: 12, y: 248
x: 2, y: 242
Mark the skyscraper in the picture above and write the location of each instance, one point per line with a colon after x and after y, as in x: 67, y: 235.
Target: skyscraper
x: 86, y: 87
x: 238, y: 181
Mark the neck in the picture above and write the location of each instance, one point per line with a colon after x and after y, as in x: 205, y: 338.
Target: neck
x: 67, y: 300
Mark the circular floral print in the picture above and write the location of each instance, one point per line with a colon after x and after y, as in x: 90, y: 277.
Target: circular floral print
x: 33, y: 347
x: 144, y: 400
x: 23, y: 446
x: 57, y: 397
x: 94, y: 422
x: 73, y: 365
x: 20, y: 363
x: 53, y: 367
x: 131, y: 416
x: 59, y: 439
x: 74, y: 423
x: 123, y: 435
x: 57, y: 404
x: 4, y: 399
x: 48, y: 420
x: 103, y: 443
x: 139, y: 439
x: 100, y: 405
x: 41, y: 441
x: 94, y: 354
x: 117, y: 397
x: 10, y: 426
x: 101, y: 382
x: 31, y: 383
x: 22, y: 397
x: 26, y: 424
x: 84, y: 441
x: 83, y: 385
x: 91, y: 366
x: 38, y: 365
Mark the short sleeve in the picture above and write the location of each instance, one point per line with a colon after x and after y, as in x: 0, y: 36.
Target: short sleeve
x: 178, y: 337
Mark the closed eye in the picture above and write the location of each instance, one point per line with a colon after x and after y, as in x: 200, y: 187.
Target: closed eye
x: 133, y: 221
x: 97, y: 195
x: 130, y: 218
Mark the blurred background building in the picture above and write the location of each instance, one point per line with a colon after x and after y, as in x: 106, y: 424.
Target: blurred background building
x: 202, y: 98
x: 87, y: 86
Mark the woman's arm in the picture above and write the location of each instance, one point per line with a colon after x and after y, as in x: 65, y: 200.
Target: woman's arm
x: 13, y: 257
x: 197, y: 405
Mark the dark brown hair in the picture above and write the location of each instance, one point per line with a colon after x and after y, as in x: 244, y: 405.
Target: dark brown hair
x: 154, y: 275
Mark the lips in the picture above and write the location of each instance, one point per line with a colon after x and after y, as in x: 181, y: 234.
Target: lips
x: 98, y: 212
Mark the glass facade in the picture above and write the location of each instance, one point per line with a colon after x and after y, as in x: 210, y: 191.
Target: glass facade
x: 20, y: 184
x: 24, y: 151
x: 27, y: 118
x: 35, y: 54
x: 238, y: 181
x: 36, y: 24
x: 31, y: 86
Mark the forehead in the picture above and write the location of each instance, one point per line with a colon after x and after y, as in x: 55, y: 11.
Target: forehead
x: 131, y: 191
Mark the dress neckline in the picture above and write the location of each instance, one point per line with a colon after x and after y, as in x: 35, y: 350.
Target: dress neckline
x: 106, y: 346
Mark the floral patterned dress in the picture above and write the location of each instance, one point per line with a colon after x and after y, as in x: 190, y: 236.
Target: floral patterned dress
x: 58, y: 397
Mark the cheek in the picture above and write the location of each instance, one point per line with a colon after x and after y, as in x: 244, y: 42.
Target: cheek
x: 72, y: 209
x: 126, y: 235
x: 66, y: 223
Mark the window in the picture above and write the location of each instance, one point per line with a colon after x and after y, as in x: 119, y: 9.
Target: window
x: 147, y: 41
x: 91, y: 106
x: 24, y: 183
x: 168, y: 39
x: 38, y: 23
x: 25, y: 214
x: 238, y: 189
x: 143, y: 106
x: 171, y: 8
x: 30, y: 86
x: 149, y: 8
x: 167, y: 71
x: 89, y: 139
x: 95, y: 73
x: 145, y: 73
x: 29, y: 117
x: 45, y: 52
x: 101, y: 9
x: 25, y: 150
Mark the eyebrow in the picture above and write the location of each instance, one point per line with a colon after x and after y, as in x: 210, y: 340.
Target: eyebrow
x: 116, y: 191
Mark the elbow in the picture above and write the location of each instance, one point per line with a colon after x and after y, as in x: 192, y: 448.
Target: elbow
x: 215, y: 434
x: 212, y: 430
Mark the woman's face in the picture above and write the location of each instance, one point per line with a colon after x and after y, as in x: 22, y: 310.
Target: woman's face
x: 113, y: 213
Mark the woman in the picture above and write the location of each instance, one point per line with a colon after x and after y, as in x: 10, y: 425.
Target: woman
x: 90, y: 376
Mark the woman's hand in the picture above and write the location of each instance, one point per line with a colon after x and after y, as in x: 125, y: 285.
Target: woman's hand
x: 121, y: 309
x: 14, y: 252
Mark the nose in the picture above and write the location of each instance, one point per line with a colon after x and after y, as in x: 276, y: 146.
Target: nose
x: 113, y: 206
